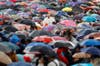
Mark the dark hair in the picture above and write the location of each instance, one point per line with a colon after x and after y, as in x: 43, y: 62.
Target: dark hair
x: 2, y: 64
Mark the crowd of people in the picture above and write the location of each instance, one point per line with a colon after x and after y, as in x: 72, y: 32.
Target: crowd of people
x: 49, y: 32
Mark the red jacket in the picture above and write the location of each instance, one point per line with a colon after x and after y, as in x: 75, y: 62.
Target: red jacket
x: 61, y: 56
x: 13, y: 1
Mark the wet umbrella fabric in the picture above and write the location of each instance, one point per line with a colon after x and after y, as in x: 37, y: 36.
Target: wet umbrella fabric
x: 31, y: 45
x: 5, y: 49
x: 39, y: 33
x: 61, y: 43
x: 89, y: 19
x: 4, y: 58
x: 20, y: 64
x: 90, y: 42
x: 10, y: 45
x: 44, y: 51
x: 83, y: 64
x: 91, y: 50
x: 10, y: 29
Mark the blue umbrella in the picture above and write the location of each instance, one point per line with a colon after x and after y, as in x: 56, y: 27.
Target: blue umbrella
x: 84, y: 32
x: 90, y: 42
x: 33, y: 44
x: 94, y: 15
x: 20, y: 64
x: 83, y: 64
x: 89, y: 19
x: 91, y: 50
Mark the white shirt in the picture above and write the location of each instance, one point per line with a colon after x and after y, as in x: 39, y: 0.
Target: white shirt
x: 49, y: 20
x: 54, y: 63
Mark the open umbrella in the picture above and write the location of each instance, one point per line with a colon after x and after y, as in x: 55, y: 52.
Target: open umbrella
x: 39, y: 33
x: 10, y: 28
x: 89, y: 19
x: 44, y: 50
x: 20, y: 64
x: 45, y: 39
x: 61, y: 43
x: 95, y: 35
x: 83, y: 64
x: 58, y: 38
x: 91, y: 50
x: 90, y: 42
x: 4, y: 58
x: 67, y: 9
x: 4, y: 48
x: 10, y: 45
x: 29, y: 46
x: 68, y: 23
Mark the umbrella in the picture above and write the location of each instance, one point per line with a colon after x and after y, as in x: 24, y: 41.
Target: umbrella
x: 20, y: 64
x: 44, y: 50
x: 81, y: 55
x: 10, y: 28
x: 91, y: 50
x: 85, y: 32
x: 68, y: 23
x: 45, y: 39
x: 90, y: 42
x: 61, y: 43
x: 10, y: 45
x: 67, y: 9
x: 4, y: 58
x: 28, y: 22
x: 94, y: 15
x: 42, y: 10
x: 29, y: 46
x: 59, y: 38
x: 4, y: 48
x: 95, y: 35
x: 89, y: 19
x: 83, y: 64
x: 39, y: 33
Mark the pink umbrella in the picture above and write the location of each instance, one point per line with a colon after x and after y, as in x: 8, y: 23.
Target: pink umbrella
x: 68, y: 23
x: 45, y: 39
x: 21, y: 27
x: 59, y: 38
x: 2, y: 3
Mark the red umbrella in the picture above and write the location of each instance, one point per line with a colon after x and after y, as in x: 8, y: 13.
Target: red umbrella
x: 45, y: 39
x: 59, y: 38
x: 68, y: 23
x: 43, y: 10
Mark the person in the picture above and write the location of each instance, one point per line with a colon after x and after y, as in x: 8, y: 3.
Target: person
x: 48, y: 20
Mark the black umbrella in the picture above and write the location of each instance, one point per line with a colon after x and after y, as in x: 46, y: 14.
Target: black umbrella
x: 61, y: 43
x: 10, y: 28
x: 44, y: 50
x: 28, y: 22
x: 39, y: 33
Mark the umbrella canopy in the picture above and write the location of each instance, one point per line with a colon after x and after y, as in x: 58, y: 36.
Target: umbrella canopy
x: 42, y: 10
x: 68, y: 23
x: 45, y: 39
x: 4, y: 48
x: 85, y: 32
x: 58, y: 38
x: 89, y: 19
x: 91, y: 50
x: 90, y: 42
x: 10, y: 45
x: 67, y: 9
x: 39, y: 33
x: 29, y: 46
x: 95, y: 35
x: 20, y: 64
x: 10, y: 28
x: 83, y: 64
x: 61, y: 43
x: 4, y: 58
x: 44, y: 50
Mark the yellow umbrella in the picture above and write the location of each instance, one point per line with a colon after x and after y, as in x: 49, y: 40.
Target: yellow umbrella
x: 67, y: 9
